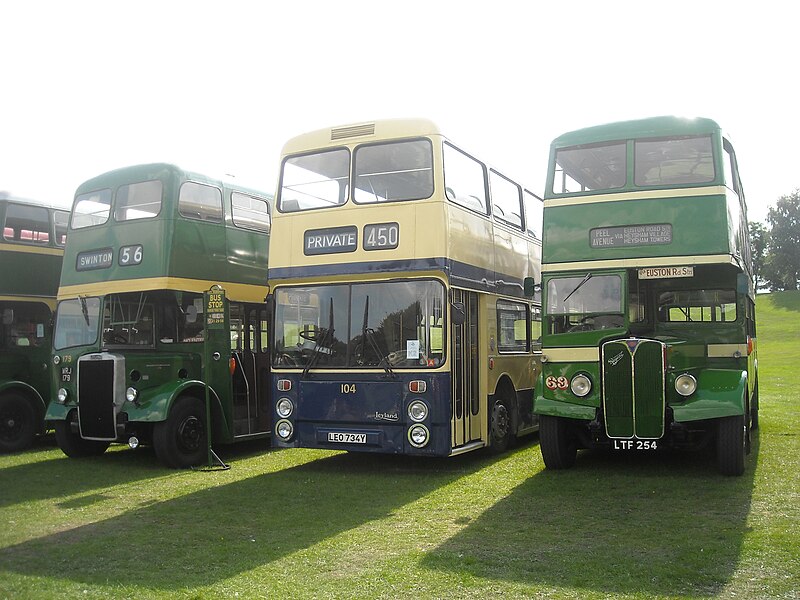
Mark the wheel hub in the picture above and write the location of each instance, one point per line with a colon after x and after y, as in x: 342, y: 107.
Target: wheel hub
x: 190, y: 433
x: 500, y: 420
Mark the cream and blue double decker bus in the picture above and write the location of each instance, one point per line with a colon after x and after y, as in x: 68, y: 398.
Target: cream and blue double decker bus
x: 396, y: 275
x: 161, y: 322
x: 31, y: 251
x: 649, y: 337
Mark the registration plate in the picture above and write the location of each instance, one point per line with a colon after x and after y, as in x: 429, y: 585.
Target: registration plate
x: 347, y: 438
x: 635, y: 444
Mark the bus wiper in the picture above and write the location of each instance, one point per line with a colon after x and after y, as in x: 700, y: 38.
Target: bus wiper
x: 368, y: 335
x: 84, y: 310
x: 577, y: 287
x: 319, y: 342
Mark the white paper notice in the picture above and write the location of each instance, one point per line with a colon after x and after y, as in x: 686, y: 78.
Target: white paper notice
x: 412, y: 349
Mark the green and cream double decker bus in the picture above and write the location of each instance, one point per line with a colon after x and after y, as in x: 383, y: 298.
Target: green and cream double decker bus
x: 396, y: 277
x: 161, y: 311
x: 31, y: 251
x: 649, y: 333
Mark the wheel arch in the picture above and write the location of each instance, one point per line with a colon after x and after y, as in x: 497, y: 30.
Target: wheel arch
x: 30, y: 394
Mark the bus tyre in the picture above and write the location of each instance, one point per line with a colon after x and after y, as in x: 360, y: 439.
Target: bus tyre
x: 731, y: 445
x: 558, y: 445
x: 180, y: 441
x: 74, y: 446
x: 500, y: 430
x: 17, y: 422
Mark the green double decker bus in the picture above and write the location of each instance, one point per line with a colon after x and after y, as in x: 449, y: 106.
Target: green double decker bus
x: 31, y: 251
x: 161, y: 321
x: 649, y: 328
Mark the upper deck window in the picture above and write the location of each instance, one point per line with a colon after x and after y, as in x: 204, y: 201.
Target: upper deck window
x: 464, y: 180
x: 506, y: 199
x: 91, y: 209
x: 250, y: 212
x: 393, y: 171
x: 588, y: 168
x: 673, y: 161
x: 27, y: 224
x: 198, y: 201
x: 61, y: 222
x: 534, y: 208
x: 318, y: 180
x: 138, y: 201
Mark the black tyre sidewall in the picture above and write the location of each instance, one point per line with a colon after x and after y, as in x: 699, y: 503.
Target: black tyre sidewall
x: 168, y: 449
x: 73, y: 445
x: 14, y: 406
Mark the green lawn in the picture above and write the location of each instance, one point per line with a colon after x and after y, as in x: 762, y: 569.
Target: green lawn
x: 307, y: 523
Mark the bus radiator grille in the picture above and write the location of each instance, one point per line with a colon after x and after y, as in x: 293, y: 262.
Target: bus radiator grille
x: 96, y: 399
x: 633, y: 388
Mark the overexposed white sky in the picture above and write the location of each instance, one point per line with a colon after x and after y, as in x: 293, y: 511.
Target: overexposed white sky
x: 218, y: 87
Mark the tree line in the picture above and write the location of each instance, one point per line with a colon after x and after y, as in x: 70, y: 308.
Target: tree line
x: 776, y: 246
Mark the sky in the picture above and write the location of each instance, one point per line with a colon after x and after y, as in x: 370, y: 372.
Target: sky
x: 218, y: 87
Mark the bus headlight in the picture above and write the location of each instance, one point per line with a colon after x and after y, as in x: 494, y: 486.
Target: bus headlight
x: 685, y: 384
x: 580, y: 385
x: 131, y: 394
x: 62, y: 395
x: 284, y: 429
x: 417, y: 411
x: 418, y: 435
x: 285, y: 407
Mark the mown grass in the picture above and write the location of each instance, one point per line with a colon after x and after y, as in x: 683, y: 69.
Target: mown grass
x: 306, y: 523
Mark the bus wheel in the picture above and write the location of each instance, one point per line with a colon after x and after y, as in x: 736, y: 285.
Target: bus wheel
x: 17, y: 423
x: 180, y: 441
x: 731, y: 445
x: 559, y: 449
x: 500, y: 431
x: 74, y: 446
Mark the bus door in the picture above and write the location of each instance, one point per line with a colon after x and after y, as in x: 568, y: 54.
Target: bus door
x: 465, y: 400
x: 250, y: 369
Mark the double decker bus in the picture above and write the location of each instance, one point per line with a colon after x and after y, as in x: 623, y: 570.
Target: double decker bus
x: 396, y: 279
x: 161, y: 312
x: 649, y: 330
x: 31, y: 251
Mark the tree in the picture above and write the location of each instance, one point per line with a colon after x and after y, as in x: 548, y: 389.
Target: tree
x: 782, y: 266
x: 759, y: 239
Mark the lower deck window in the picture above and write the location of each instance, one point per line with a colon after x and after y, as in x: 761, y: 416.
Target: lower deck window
x: 705, y: 306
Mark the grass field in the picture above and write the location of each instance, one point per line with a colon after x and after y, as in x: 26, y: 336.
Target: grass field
x: 306, y: 523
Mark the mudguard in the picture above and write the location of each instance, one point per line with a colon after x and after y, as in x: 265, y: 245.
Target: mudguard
x: 720, y: 393
x: 25, y: 388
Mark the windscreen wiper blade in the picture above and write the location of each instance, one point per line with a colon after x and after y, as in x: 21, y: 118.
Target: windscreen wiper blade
x: 577, y: 287
x: 319, y: 342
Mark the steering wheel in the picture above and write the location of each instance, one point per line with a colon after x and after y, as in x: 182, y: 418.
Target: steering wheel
x: 118, y: 338
x: 287, y: 359
x: 585, y: 324
x: 310, y: 335
x: 399, y: 356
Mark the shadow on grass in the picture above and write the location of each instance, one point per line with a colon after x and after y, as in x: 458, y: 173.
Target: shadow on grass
x: 658, y: 524
x: 204, y: 537
x: 63, y: 476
